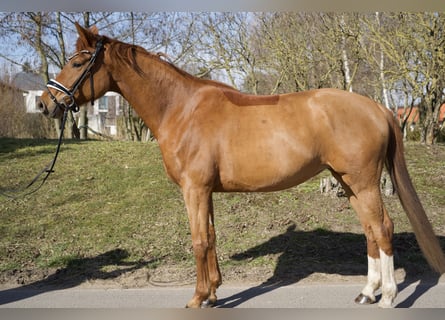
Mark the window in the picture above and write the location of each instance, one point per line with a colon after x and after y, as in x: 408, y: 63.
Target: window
x: 103, y: 104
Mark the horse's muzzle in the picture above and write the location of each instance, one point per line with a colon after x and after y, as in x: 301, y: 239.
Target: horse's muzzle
x: 55, y: 112
x: 42, y: 107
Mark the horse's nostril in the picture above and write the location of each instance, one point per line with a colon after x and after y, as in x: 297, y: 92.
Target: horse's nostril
x: 42, y: 108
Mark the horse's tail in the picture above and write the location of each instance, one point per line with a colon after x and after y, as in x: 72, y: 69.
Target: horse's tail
x: 396, y: 165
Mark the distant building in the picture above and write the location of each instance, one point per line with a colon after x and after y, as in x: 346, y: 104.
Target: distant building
x: 101, y: 118
x: 32, y: 86
x: 414, y: 115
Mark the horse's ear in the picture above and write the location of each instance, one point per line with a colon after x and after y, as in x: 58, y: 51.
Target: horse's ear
x: 86, y: 37
x: 94, y: 30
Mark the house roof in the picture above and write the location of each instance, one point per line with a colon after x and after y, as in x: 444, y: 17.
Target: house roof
x: 414, y: 115
x: 28, y: 81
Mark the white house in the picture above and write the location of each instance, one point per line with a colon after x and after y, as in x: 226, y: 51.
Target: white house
x: 32, y: 86
x: 102, y: 117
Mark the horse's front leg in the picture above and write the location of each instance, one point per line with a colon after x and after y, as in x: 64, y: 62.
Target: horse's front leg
x: 198, y: 203
x: 212, y: 262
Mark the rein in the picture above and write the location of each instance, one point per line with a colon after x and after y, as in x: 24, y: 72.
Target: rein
x: 71, y: 106
x: 14, y: 193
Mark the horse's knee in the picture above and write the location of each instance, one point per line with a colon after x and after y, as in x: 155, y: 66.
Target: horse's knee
x: 200, y: 248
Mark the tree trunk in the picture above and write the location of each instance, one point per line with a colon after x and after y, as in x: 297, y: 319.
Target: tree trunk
x: 386, y: 184
x: 83, y: 112
x: 382, y: 70
x: 83, y: 123
x: 431, y: 133
x: 347, y: 70
x: 57, y: 124
x: 330, y: 186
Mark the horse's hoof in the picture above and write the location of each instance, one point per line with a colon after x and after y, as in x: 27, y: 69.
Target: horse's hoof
x: 208, y: 304
x: 191, y: 305
x: 362, y: 299
x: 385, y: 302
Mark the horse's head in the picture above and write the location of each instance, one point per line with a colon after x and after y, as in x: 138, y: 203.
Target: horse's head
x: 83, y: 78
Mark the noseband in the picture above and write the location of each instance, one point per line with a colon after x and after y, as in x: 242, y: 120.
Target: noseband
x: 70, y: 104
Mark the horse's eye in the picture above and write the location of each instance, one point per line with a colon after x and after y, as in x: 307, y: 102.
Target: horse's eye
x: 76, y: 65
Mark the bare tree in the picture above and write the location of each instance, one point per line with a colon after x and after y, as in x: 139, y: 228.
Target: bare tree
x: 396, y: 58
x: 413, y: 44
x: 30, y: 29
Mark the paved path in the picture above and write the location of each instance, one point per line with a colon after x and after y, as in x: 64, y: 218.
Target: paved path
x: 417, y: 294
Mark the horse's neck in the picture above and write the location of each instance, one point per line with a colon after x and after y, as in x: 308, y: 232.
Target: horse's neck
x: 160, y: 89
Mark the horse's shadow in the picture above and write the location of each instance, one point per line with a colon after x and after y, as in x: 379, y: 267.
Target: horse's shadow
x: 77, y: 271
x: 303, y: 253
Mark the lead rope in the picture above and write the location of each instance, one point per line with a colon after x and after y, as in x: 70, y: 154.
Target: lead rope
x: 15, y: 193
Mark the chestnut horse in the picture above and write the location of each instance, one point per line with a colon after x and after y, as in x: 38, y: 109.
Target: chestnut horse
x: 216, y: 139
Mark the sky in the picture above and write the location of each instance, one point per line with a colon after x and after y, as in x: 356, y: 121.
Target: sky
x: 226, y: 5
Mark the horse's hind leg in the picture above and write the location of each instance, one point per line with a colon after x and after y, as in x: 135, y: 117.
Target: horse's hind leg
x: 378, y: 227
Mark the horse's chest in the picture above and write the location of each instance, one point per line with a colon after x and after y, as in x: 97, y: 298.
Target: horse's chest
x: 172, y: 166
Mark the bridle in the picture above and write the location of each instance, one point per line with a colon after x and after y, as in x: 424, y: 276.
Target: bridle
x: 70, y: 104
x: 66, y: 106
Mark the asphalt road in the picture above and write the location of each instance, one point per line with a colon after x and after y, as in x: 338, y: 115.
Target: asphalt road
x: 418, y: 294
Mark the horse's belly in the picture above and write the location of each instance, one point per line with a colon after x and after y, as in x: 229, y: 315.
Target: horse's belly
x: 268, y: 169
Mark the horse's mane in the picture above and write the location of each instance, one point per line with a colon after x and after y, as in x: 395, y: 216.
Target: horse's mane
x: 127, y: 54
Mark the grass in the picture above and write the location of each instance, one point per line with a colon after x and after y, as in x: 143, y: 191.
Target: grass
x: 108, y: 196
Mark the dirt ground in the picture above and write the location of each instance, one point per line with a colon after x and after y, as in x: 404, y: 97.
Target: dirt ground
x: 165, y: 277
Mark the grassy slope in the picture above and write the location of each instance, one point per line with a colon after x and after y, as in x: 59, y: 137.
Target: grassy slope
x: 112, y: 200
